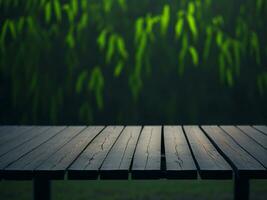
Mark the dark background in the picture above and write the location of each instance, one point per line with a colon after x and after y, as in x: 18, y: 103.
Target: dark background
x: 47, y: 79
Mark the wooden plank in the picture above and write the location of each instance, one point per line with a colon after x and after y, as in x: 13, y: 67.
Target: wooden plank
x: 25, y: 166
x: 179, y: 161
x: 118, y: 161
x: 255, y: 134
x: 3, y: 129
x: 13, y: 132
x: 244, y: 164
x: 210, y: 163
x: 263, y: 129
x: 7, y: 130
x: 147, y: 157
x: 11, y: 144
x: 87, y: 165
x: 252, y: 147
x: 20, y: 151
x: 55, y: 166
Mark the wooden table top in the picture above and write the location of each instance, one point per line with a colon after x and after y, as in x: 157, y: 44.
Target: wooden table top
x: 133, y: 152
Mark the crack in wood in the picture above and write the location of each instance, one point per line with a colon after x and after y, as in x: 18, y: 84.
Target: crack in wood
x: 148, y: 147
x: 93, y: 156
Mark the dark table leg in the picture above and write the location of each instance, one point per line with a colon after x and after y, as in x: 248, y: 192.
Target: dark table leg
x: 41, y: 189
x: 241, y: 188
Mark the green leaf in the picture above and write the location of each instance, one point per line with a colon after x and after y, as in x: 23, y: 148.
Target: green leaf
x: 69, y: 12
x: 4, y: 30
x: 57, y: 9
x: 31, y: 25
x: 121, y: 47
x: 192, y: 25
x: 21, y: 23
x: 70, y: 39
x: 207, y: 43
x: 226, y: 52
x: 194, y: 55
x: 165, y: 18
x: 118, y: 68
x: 122, y: 4
x: 83, y: 22
x: 255, y: 46
x: 111, y: 47
x: 80, y: 81
x: 182, y: 54
x: 138, y: 28
x: 84, y: 4
x: 140, y: 52
x: 12, y: 29
x: 107, y: 5
x: 101, y: 40
x: 74, y: 6
x: 191, y: 8
x: 48, y: 12
x: 219, y: 38
x: 96, y: 84
x: 179, y: 27
x: 218, y: 20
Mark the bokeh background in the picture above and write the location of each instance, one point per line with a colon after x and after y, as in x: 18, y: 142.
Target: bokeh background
x: 133, y: 62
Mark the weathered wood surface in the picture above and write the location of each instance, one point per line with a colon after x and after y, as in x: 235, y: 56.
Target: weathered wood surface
x: 12, y: 132
x: 210, y: 162
x: 87, y: 165
x: 147, y: 157
x: 255, y: 134
x: 243, y: 163
x: 118, y: 152
x: 179, y: 160
x: 251, y: 146
x: 118, y: 161
x: 25, y: 166
x: 11, y: 144
x: 27, y: 147
x: 56, y: 165
x: 263, y: 129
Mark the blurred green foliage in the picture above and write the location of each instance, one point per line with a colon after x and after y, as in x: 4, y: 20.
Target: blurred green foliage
x: 63, y: 56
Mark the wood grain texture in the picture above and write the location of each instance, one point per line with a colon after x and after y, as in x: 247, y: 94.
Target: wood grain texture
x: 258, y: 136
x: 87, y: 165
x: 28, y: 146
x: 11, y: 144
x: 147, y: 157
x: 263, y: 129
x: 250, y: 145
x: 118, y: 161
x: 4, y: 128
x: 12, y: 132
x: 55, y: 166
x: 115, y: 152
x: 210, y: 163
x: 179, y: 161
x: 244, y: 164
x: 26, y: 165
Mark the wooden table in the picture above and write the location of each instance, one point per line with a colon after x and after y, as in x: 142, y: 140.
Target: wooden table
x: 45, y: 153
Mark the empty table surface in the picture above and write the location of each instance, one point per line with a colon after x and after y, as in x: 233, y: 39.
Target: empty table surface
x: 133, y: 152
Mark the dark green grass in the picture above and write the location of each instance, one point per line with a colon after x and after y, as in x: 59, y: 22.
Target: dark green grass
x: 126, y: 190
